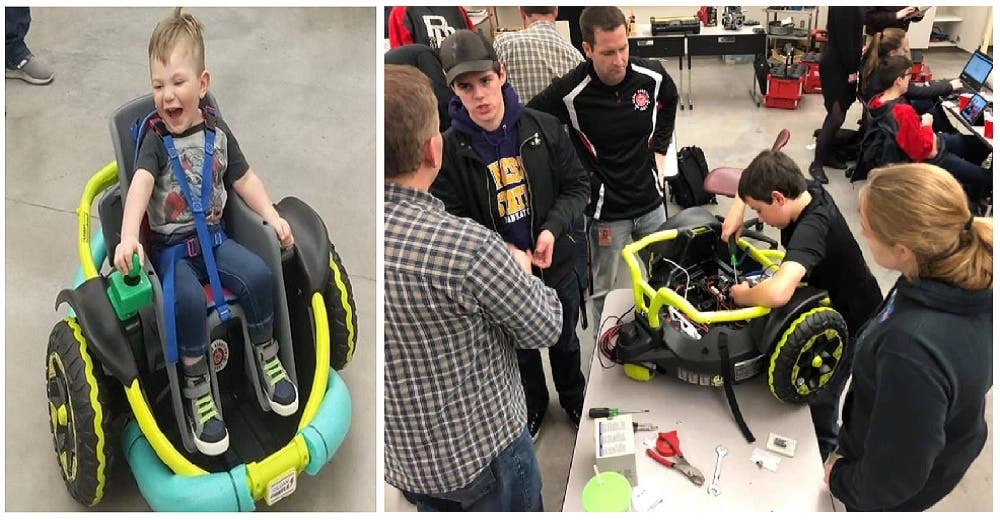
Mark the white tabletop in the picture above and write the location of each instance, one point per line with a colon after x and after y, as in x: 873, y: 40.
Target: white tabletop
x: 703, y: 421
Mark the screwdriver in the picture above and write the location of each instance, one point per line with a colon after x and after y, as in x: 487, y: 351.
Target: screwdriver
x: 597, y: 413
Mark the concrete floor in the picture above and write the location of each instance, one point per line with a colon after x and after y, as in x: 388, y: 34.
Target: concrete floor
x: 732, y: 131
x: 297, y: 87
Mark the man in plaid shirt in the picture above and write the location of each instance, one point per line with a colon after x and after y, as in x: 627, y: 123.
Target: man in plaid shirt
x: 457, y: 301
x: 536, y: 55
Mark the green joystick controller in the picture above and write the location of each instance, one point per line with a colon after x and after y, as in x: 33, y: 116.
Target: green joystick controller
x: 131, y: 292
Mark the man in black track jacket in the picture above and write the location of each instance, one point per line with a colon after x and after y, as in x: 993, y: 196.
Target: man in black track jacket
x: 514, y: 171
x: 620, y: 112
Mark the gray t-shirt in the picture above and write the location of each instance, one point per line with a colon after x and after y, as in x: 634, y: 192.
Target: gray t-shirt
x: 168, y: 211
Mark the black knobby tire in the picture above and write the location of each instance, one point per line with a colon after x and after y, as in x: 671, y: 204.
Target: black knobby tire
x: 341, y: 313
x: 79, y: 413
x: 807, y: 355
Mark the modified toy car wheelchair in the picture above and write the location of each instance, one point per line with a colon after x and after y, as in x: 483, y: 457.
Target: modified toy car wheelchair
x: 109, y: 381
x: 687, y: 326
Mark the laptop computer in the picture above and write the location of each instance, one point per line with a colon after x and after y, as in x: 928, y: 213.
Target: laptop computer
x: 973, y: 112
x: 976, y: 70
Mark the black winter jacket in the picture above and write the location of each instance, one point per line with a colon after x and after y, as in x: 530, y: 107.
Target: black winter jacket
x: 914, y: 416
x: 557, y: 186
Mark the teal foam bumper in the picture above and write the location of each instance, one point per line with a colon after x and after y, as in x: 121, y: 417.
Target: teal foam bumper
x: 327, y: 430
x: 228, y: 491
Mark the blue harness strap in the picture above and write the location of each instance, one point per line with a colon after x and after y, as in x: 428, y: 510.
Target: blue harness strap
x: 208, y: 240
x: 166, y: 262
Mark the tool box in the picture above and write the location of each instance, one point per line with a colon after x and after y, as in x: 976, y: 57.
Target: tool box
x: 812, y: 82
x: 660, y: 25
x: 784, y: 86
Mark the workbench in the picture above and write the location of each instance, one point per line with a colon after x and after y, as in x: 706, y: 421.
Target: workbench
x: 711, y: 41
x: 703, y: 421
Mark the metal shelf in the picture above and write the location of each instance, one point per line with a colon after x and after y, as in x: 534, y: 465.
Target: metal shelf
x: 941, y: 44
x: 947, y: 18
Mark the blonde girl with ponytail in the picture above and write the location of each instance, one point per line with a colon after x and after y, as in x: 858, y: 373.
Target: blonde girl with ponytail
x: 914, y: 419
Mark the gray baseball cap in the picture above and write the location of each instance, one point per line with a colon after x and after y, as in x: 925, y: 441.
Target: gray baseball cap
x: 466, y: 51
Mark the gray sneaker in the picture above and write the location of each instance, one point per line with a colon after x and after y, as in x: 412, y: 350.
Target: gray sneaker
x: 210, y: 434
x: 278, y: 387
x: 32, y: 70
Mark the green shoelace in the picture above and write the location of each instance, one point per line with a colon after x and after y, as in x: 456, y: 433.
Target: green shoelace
x: 274, y: 371
x: 206, y: 408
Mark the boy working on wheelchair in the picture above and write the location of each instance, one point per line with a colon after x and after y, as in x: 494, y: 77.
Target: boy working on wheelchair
x: 174, y: 154
x: 819, y: 249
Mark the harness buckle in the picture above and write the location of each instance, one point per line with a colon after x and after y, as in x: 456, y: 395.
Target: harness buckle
x: 191, y: 245
x: 196, y: 206
x: 224, y: 312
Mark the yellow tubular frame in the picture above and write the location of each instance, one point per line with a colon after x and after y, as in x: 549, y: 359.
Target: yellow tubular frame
x: 322, y: 373
x: 666, y: 296
x: 98, y: 182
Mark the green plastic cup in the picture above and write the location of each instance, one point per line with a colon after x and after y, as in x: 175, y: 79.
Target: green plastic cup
x: 608, y: 492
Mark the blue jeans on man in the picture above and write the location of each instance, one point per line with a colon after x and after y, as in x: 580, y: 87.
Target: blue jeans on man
x: 18, y: 20
x: 241, y: 271
x: 512, y: 482
x: 607, y: 238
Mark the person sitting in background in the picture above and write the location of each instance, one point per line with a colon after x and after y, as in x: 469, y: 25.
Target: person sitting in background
x: 922, y: 96
x: 962, y: 155
x: 914, y: 415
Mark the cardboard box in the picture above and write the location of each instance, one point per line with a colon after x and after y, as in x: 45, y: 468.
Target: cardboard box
x: 614, y: 444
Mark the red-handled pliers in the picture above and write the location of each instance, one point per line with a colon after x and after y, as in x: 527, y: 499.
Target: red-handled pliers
x: 668, y: 445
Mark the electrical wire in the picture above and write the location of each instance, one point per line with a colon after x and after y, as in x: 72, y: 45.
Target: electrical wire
x: 604, y: 341
x: 687, y: 285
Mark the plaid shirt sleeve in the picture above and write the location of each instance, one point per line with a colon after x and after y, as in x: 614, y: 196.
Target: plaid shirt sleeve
x: 520, y: 304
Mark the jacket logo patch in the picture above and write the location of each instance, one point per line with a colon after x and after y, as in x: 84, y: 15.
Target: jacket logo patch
x: 641, y: 100
x: 889, y: 307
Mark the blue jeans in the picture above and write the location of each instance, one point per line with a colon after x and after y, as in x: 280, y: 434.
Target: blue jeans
x: 18, y: 19
x: 512, y: 482
x: 240, y: 271
x: 604, y: 258
x: 963, y: 157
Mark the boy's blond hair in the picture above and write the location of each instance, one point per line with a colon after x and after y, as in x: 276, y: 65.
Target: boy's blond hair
x: 174, y: 30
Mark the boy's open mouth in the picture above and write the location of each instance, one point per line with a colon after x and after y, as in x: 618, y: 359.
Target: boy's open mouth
x: 174, y: 113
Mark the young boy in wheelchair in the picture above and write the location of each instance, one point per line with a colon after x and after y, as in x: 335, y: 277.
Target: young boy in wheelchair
x: 819, y: 249
x: 167, y: 184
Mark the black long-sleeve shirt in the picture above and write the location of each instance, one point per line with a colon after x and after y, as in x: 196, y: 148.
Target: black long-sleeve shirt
x: 616, y: 130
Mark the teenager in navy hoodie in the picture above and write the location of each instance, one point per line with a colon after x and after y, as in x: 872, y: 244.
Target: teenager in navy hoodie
x: 515, y: 171
x: 914, y: 416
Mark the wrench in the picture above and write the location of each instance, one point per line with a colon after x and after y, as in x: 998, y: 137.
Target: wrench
x: 713, y: 488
